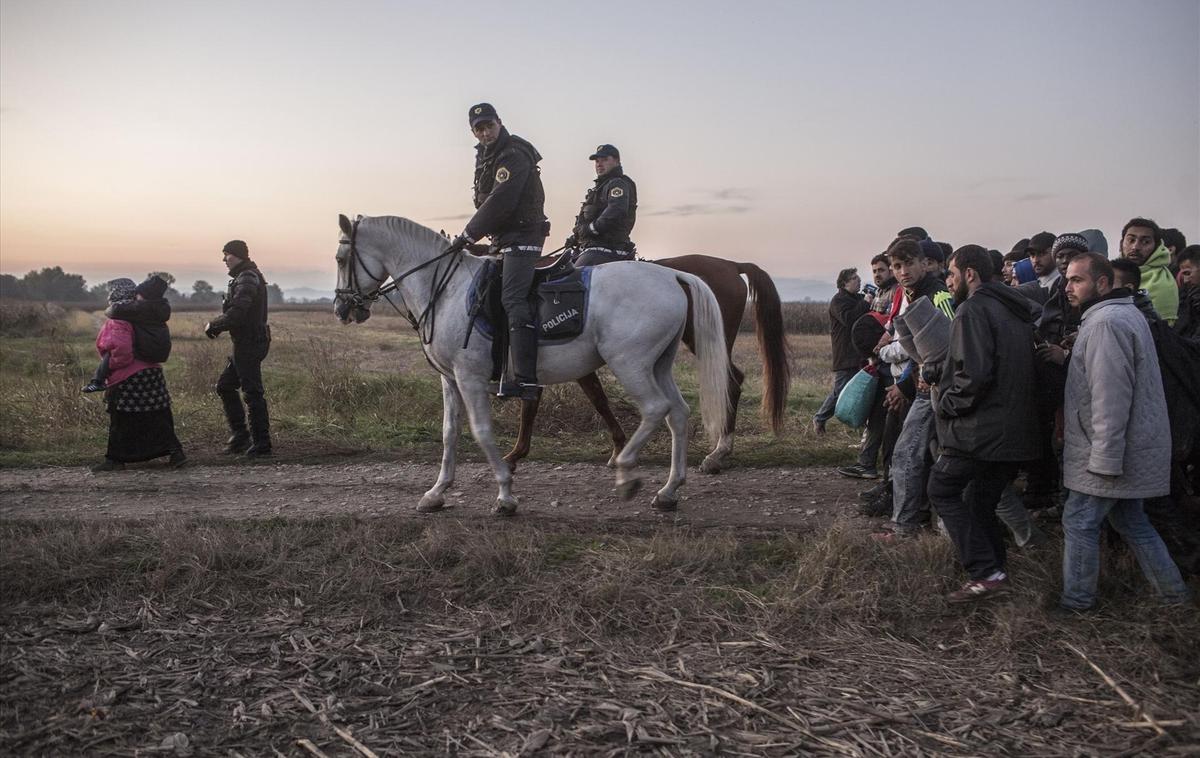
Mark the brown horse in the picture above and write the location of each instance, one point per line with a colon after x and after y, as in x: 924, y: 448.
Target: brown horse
x: 724, y: 278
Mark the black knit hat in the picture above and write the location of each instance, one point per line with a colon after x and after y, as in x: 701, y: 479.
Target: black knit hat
x: 481, y: 112
x: 865, y: 333
x: 153, y: 288
x: 1041, y: 242
x: 237, y: 248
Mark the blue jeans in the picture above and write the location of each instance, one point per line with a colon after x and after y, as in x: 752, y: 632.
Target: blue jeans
x: 1082, y: 517
x: 910, y: 467
x: 840, y: 377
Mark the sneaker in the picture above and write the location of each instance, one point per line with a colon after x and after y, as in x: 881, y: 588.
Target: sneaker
x: 178, y: 459
x: 93, y: 386
x: 237, y: 444
x: 818, y: 427
x: 257, y: 451
x: 979, y: 589
x: 858, y: 471
x: 108, y: 465
x: 875, y: 492
x: 880, y: 506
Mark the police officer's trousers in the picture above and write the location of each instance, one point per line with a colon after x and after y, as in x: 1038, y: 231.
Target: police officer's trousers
x: 515, y: 293
x: 244, y: 372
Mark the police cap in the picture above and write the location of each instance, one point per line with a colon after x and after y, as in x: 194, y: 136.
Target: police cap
x: 605, y: 151
x: 481, y: 112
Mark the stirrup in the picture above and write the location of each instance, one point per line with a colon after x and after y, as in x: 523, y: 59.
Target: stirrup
x: 518, y: 390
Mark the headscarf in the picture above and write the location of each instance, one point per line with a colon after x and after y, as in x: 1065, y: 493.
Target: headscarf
x: 121, y: 289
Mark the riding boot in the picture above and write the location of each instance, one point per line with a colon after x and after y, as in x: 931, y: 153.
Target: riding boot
x: 260, y: 427
x: 523, y: 347
x: 235, y: 415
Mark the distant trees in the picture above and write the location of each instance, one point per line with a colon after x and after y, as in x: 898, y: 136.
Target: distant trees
x: 47, y: 284
x: 54, y: 284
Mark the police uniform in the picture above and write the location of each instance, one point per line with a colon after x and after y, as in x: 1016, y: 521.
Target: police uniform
x: 244, y: 316
x: 607, y: 216
x: 509, y: 203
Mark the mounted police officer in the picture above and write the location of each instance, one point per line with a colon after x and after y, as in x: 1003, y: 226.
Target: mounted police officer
x: 244, y: 316
x: 607, y: 215
x: 509, y: 204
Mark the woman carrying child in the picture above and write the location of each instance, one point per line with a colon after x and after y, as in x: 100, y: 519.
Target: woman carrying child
x: 141, y: 426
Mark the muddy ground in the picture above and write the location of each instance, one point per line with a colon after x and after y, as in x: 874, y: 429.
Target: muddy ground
x: 790, y: 498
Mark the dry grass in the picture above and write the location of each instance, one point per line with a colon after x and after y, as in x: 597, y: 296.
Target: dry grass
x: 420, y: 638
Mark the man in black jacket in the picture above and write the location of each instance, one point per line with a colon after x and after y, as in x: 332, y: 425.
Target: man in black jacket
x: 509, y: 202
x: 244, y: 316
x: 986, y: 424
x: 844, y: 309
x: 608, y: 213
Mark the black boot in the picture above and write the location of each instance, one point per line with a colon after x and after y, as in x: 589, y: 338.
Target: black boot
x: 523, y: 347
x: 260, y: 427
x: 235, y: 415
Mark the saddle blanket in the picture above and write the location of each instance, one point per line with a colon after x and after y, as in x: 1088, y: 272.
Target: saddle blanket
x: 561, y: 304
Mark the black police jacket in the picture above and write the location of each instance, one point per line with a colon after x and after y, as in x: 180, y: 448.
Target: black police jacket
x: 509, y: 199
x: 244, y: 311
x: 608, y: 213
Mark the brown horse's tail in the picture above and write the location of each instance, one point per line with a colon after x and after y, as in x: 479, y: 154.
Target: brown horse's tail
x: 772, y: 344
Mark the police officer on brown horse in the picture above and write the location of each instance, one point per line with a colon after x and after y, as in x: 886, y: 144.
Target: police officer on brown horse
x: 608, y: 213
x: 509, y: 204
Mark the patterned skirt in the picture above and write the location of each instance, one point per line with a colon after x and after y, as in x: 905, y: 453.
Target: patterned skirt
x: 140, y: 424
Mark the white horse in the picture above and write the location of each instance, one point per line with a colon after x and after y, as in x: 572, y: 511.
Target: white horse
x: 636, y: 316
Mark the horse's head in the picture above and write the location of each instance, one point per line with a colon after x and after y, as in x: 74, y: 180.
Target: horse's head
x: 355, y: 281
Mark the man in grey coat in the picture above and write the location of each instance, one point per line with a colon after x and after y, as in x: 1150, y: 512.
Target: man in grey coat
x: 1116, y: 447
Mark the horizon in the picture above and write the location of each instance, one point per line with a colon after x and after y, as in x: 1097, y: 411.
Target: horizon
x: 799, y: 137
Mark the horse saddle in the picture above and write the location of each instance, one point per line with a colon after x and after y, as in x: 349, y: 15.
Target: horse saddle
x: 559, y: 297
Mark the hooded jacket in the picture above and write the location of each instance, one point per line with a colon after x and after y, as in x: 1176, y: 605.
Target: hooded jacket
x: 1115, y: 420
x: 982, y: 401
x: 1159, y: 283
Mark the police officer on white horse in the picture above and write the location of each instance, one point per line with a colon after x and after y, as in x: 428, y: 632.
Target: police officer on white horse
x: 509, y: 202
x: 608, y: 213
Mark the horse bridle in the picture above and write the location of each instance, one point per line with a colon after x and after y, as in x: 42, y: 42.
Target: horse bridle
x: 357, y: 299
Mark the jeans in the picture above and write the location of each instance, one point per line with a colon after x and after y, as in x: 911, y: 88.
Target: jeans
x: 970, y: 514
x: 910, y: 468
x: 1082, y: 517
x: 840, y: 377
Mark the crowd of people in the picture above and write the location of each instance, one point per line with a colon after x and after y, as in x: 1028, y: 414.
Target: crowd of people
x: 1046, y: 382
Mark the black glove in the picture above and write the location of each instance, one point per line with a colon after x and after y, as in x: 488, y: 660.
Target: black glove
x: 459, y: 243
x: 210, y: 331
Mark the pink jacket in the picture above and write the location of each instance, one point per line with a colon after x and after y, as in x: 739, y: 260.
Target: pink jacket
x: 116, y: 339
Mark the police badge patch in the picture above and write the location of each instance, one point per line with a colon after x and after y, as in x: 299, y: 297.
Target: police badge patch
x: 616, y: 192
x: 502, y: 175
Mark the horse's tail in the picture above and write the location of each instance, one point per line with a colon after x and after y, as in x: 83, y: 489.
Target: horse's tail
x: 772, y: 344
x: 711, y: 357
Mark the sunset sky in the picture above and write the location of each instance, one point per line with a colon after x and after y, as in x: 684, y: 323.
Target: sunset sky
x: 799, y: 135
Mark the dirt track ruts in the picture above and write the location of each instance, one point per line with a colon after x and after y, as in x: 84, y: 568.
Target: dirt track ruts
x: 797, y: 498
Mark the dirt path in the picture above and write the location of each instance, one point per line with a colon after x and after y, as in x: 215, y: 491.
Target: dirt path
x: 795, y: 498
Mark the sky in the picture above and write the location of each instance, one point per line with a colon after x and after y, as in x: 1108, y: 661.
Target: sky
x: 139, y: 136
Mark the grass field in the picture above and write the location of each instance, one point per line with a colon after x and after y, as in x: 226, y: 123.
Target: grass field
x: 461, y: 635
x: 334, y: 388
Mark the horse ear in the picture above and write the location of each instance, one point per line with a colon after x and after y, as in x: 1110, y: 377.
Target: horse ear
x: 344, y: 223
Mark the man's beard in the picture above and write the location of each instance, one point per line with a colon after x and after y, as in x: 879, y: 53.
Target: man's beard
x: 961, y: 293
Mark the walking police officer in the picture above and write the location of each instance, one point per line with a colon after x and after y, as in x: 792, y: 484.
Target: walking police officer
x: 244, y: 316
x: 509, y: 204
x: 607, y: 215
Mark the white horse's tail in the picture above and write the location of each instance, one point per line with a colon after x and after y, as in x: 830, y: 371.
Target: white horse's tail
x: 711, y: 358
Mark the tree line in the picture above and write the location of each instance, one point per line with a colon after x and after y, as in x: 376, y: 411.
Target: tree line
x: 54, y: 284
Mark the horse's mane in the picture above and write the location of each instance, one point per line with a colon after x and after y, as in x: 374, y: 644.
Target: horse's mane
x: 408, y: 228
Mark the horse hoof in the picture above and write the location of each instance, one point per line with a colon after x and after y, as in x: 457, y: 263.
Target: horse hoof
x: 505, y: 508
x: 612, y: 461
x: 710, y: 465
x: 664, y: 503
x: 431, y: 504
x: 627, y: 489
